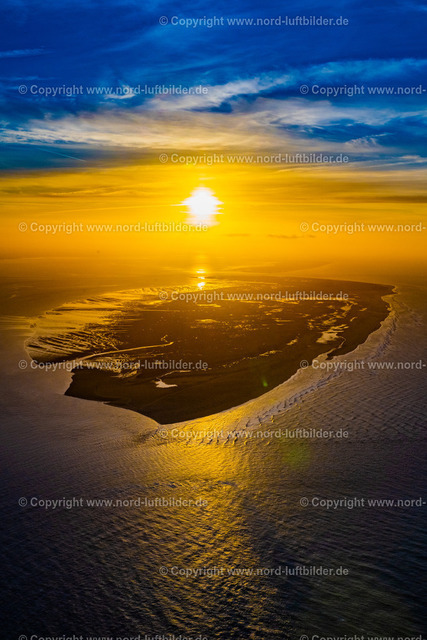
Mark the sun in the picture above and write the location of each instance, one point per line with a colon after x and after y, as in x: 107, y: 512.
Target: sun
x: 202, y: 206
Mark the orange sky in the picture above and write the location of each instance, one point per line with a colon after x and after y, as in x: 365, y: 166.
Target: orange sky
x: 262, y: 212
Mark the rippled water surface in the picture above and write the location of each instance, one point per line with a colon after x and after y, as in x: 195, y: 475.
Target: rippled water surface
x: 120, y: 571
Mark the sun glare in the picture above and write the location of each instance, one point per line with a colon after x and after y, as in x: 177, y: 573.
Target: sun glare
x: 201, y: 278
x: 202, y: 206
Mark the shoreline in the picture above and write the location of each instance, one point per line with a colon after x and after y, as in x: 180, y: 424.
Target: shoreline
x: 222, y: 389
x: 274, y: 403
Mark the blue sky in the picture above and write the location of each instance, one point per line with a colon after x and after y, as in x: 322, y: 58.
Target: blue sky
x: 252, y: 76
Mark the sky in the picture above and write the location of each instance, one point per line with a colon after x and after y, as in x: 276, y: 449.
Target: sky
x: 118, y: 110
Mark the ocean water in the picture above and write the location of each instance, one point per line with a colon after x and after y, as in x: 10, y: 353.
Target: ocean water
x: 230, y: 562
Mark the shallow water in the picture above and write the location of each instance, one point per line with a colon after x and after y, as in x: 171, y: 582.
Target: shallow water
x: 100, y: 570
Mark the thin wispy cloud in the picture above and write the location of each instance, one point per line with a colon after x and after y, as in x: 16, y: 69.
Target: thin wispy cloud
x: 22, y: 53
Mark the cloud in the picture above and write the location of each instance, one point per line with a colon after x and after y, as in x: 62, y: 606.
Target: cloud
x: 344, y: 73
x: 282, y: 236
x: 355, y: 71
x: 218, y: 94
x: 257, y: 118
x: 20, y: 53
x: 261, y: 125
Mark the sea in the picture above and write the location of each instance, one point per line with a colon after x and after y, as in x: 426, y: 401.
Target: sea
x: 298, y: 515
